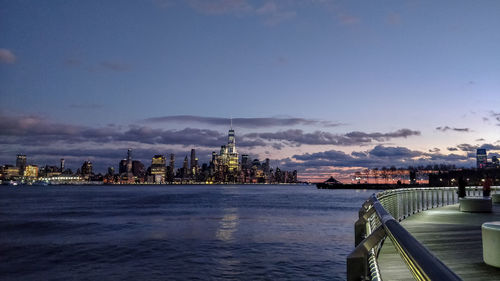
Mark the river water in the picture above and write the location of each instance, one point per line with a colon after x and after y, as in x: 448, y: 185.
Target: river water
x: 219, y: 232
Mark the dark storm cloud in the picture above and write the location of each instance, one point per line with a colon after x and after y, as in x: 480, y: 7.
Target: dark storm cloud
x: 394, y: 152
x: 322, y: 138
x: 452, y: 148
x: 379, y: 156
x: 467, y: 147
x: 447, y: 128
x: 448, y: 158
x: 36, y: 130
x: 472, y: 148
x: 242, y: 122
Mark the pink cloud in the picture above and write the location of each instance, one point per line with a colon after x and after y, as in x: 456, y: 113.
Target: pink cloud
x: 6, y: 56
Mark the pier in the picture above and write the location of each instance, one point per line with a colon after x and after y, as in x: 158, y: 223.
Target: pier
x: 420, y: 234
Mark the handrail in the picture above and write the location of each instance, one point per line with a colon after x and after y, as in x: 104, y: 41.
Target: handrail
x: 421, y: 262
x: 378, y: 219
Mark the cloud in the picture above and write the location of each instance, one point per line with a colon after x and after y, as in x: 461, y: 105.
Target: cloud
x: 434, y: 150
x: 241, y: 122
x: 398, y: 152
x: 379, y: 156
x: 268, y: 8
x: 467, y: 147
x: 299, y: 137
x: 447, y: 128
x: 452, y: 148
x: 472, y: 148
x: 6, y: 56
x: 495, y: 116
x: 36, y: 130
x: 273, y: 14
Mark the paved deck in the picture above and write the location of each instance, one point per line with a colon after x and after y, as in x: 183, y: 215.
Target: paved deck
x: 452, y: 236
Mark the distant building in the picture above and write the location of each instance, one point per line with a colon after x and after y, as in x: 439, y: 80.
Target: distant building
x: 61, y: 168
x: 193, y: 157
x: 171, y: 168
x: 122, y: 166
x: 21, y: 162
x: 481, y: 158
x: 194, y: 164
x: 129, y: 160
x: 138, y: 169
x: 158, y: 168
x: 245, y: 162
x: 86, y: 170
x: 31, y: 171
x: 10, y: 172
x: 494, y: 162
x: 185, y: 168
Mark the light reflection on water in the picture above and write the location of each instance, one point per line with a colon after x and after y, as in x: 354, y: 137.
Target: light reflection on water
x: 176, y: 232
x: 228, y: 225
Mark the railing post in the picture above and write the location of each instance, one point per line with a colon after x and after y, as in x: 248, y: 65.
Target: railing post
x: 357, y: 261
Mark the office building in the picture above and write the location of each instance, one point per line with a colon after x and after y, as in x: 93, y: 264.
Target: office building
x: 21, y: 162
x: 481, y: 158
x: 31, y: 171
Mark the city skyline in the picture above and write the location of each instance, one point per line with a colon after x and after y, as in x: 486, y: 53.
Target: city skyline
x: 324, y: 87
x: 224, y: 167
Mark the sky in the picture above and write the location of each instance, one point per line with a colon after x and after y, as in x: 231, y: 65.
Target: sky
x: 322, y: 86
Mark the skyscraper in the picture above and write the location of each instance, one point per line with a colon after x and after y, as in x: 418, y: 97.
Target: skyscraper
x: 232, y: 154
x: 245, y: 162
x: 129, y: 161
x: 193, y: 157
x: 159, y: 168
x: 87, y: 169
x: 138, y: 169
x: 172, y: 161
x: 21, y: 162
x: 158, y: 165
x: 481, y: 158
x: 185, y: 168
x: 61, y: 167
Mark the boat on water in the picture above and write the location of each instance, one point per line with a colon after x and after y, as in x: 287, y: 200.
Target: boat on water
x: 40, y: 183
x: 13, y: 183
x: 330, y: 183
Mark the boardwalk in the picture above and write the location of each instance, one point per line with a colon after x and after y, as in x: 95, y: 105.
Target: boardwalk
x: 452, y: 236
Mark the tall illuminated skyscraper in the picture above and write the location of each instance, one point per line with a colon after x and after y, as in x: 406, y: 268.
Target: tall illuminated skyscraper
x: 232, y: 154
x: 129, y: 160
x: 481, y: 158
x: 193, y: 159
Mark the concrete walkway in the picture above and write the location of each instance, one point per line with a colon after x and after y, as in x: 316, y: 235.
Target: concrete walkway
x: 452, y: 236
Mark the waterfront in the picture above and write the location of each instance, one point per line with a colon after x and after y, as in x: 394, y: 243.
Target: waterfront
x: 176, y: 232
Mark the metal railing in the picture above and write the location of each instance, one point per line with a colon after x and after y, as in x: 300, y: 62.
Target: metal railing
x: 379, y: 218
